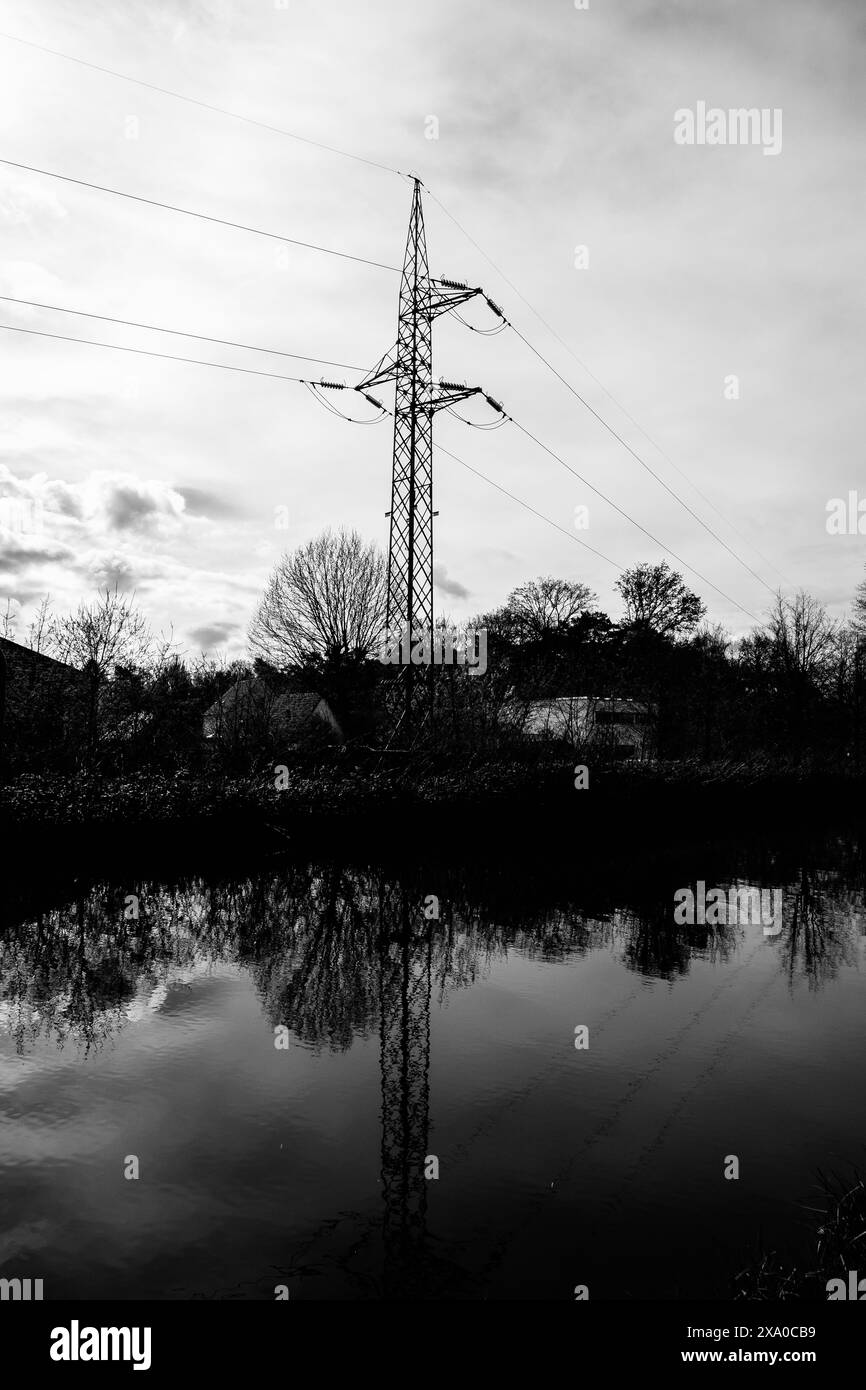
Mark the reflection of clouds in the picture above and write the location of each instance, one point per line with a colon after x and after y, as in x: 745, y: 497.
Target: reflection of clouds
x: 13, y: 1016
x: 65, y: 1019
x: 149, y: 999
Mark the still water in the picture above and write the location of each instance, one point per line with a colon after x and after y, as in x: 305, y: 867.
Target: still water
x: 418, y: 1044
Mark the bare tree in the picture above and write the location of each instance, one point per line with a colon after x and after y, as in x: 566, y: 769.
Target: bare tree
x: 107, y: 632
x: 7, y: 621
x: 544, y: 606
x: 656, y: 597
x: 858, y: 616
x: 324, y: 601
x: 39, y: 629
x: 803, y: 636
x: 712, y: 639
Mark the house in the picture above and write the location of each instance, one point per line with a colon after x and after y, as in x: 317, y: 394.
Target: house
x: 42, y: 701
x: 257, y: 707
x: 624, y: 727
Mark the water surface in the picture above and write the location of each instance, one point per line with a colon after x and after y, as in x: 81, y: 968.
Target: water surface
x: 413, y: 1039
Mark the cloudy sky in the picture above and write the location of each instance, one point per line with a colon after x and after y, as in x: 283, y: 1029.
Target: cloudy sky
x: 554, y: 131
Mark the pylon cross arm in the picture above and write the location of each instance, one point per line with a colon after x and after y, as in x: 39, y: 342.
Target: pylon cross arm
x: 385, y: 370
x: 451, y: 395
x: 443, y: 300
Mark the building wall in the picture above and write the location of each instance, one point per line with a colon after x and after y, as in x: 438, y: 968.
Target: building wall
x: 42, y: 703
x: 610, y: 722
x: 324, y: 712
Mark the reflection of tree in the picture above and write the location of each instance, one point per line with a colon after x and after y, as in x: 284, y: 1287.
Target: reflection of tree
x: 309, y: 944
x: 650, y: 943
x: 819, y: 933
x: 309, y: 937
x: 654, y: 944
x: 72, y: 972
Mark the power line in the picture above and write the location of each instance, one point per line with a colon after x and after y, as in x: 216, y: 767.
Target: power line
x: 206, y: 105
x: 362, y: 260
x: 608, y: 393
x: 303, y: 381
x: 610, y: 429
x: 279, y: 376
x: 180, y: 333
x: 202, y: 216
x: 12, y: 328
x: 234, y: 115
x: 167, y: 356
x: 617, y: 508
x: 522, y: 503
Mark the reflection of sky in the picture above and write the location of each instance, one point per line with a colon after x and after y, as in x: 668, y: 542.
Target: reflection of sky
x: 149, y: 998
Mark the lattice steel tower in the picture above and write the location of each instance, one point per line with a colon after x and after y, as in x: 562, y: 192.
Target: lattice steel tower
x: 410, y: 548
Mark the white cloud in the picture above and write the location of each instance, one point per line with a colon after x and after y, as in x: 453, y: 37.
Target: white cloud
x: 27, y: 280
x: 23, y: 204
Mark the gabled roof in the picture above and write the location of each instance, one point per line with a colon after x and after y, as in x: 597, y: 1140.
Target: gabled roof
x: 251, y: 697
x: 294, y: 711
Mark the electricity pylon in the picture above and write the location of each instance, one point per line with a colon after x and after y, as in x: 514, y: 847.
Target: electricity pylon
x: 410, y: 548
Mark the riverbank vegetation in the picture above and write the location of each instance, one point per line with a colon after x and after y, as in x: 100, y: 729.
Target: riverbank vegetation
x: 832, y: 1251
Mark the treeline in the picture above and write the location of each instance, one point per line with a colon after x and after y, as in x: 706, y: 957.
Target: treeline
x: 793, y: 688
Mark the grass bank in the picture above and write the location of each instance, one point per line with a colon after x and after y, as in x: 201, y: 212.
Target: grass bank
x: 378, y: 795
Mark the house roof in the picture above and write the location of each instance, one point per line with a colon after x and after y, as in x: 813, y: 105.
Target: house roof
x: 17, y: 651
x: 296, y: 710
x: 290, y: 710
